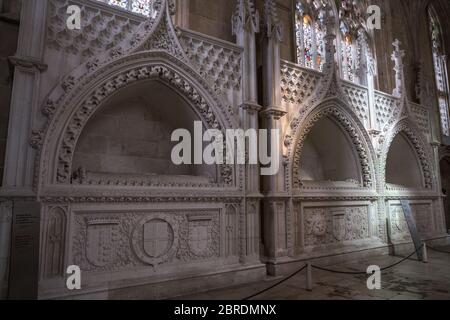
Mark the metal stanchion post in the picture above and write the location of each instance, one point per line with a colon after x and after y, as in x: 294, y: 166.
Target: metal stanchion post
x: 424, y: 253
x: 309, y: 277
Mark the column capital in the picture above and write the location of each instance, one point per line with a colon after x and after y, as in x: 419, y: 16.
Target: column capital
x: 245, y: 17
x: 273, y: 28
x: 273, y: 113
x: 250, y: 106
x: 28, y: 63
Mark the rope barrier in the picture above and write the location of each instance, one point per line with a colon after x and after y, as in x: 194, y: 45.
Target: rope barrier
x: 328, y: 270
x: 276, y: 284
x: 364, y: 272
x: 437, y: 250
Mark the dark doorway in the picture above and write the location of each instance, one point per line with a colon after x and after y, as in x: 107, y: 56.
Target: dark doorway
x: 445, y: 176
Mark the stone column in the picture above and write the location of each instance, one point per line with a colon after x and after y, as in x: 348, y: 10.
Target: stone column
x: 19, y: 162
x: 245, y: 25
x: 20, y: 156
x: 276, y: 201
x: 182, y: 14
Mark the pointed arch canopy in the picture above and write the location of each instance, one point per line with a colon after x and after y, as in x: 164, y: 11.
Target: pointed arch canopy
x: 75, y: 109
x: 335, y: 110
x: 410, y: 136
x: 152, y: 53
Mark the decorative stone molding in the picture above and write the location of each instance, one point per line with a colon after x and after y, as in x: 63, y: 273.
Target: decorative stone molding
x: 297, y: 83
x: 169, y: 198
x: 55, y: 241
x: 123, y: 240
x: 28, y: 63
x: 334, y: 225
x: 422, y: 117
x: 386, y: 108
x: 219, y: 62
x: 359, y: 100
x: 101, y: 30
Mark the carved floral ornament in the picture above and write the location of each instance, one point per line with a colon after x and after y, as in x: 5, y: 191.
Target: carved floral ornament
x: 153, y: 53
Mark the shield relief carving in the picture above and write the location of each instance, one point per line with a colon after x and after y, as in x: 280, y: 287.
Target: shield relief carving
x: 100, y: 242
x: 200, y: 235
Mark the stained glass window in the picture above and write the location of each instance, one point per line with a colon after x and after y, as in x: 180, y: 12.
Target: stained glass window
x: 348, y: 52
x: 351, y: 24
x: 310, y: 33
x: 143, y: 7
x: 440, y: 70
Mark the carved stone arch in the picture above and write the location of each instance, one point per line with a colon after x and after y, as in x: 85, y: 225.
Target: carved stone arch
x: 422, y: 151
x: 72, y: 112
x: 349, y: 122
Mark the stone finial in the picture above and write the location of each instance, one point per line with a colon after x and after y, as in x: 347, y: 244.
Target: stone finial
x: 363, y: 41
x: 245, y: 17
x: 172, y: 7
x: 330, y: 36
x: 397, y: 57
x: 273, y: 26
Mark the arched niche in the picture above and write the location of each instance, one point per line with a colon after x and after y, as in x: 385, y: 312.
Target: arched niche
x: 403, y: 168
x: 328, y: 156
x: 129, y: 139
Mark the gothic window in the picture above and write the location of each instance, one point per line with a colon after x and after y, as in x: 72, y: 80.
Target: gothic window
x: 353, y: 39
x: 143, y: 7
x: 310, y: 33
x: 440, y: 71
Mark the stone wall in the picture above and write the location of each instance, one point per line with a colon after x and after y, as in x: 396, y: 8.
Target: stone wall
x: 212, y: 18
x: 9, y: 32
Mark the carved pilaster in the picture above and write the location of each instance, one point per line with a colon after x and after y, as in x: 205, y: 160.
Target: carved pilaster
x: 245, y: 24
x: 273, y: 35
x: 19, y: 161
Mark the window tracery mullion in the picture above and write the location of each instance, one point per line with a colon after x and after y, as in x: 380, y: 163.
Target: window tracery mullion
x: 314, y: 44
x: 300, y: 40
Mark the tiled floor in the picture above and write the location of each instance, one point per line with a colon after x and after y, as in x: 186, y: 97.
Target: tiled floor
x: 410, y: 280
